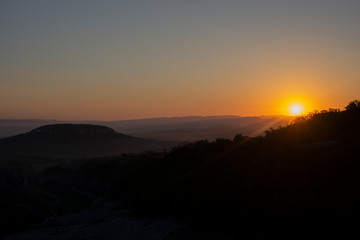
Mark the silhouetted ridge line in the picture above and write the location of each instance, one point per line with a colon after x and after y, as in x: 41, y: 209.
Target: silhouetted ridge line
x: 69, y: 141
x: 74, y: 131
x: 300, y: 181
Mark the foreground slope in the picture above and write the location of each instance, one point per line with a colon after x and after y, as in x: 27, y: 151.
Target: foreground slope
x: 297, y: 182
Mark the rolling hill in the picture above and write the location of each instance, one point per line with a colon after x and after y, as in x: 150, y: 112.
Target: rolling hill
x: 190, y: 128
x: 68, y: 141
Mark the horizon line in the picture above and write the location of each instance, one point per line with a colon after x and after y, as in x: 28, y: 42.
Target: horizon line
x: 145, y: 118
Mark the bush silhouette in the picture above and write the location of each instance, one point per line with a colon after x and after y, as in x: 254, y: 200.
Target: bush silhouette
x: 293, y: 179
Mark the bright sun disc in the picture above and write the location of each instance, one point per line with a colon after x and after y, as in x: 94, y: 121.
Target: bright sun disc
x: 296, y: 109
x: 295, y: 106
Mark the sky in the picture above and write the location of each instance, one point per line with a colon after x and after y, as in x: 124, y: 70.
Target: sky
x: 113, y: 60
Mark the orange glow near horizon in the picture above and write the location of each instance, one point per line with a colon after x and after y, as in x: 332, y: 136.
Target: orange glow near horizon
x: 143, y: 61
x: 296, y: 106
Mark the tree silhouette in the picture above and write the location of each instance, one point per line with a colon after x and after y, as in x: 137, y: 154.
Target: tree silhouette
x: 353, y: 105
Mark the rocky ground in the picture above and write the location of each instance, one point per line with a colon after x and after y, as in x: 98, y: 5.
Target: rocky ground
x: 104, y: 219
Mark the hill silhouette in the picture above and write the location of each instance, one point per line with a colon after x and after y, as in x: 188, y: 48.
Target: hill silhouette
x: 288, y: 181
x: 179, y: 129
x: 57, y: 132
x: 299, y: 181
x: 76, y: 141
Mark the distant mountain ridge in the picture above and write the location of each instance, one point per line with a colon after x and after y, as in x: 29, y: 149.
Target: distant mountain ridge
x: 188, y: 128
x: 74, y: 131
x: 76, y: 141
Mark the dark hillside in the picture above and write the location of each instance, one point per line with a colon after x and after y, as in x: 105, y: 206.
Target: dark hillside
x: 67, y: 141
x: 68, y: 132
x: 301, y: 181
x: 327, y: 125
x: 74, y: 131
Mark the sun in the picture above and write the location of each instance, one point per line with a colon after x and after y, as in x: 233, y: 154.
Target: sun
x: 296, y: 109
x: 295, y: 106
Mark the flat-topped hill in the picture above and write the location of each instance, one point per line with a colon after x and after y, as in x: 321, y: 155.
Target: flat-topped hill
x: 76, y: 141
x: 74, y: 131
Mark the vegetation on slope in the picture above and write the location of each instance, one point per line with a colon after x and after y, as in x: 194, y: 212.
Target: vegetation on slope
x: 298, y: 180
x: 305, y: 172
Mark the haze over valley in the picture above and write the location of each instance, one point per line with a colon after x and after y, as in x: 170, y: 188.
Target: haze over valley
x: 170, y: 129
x: 179, y: 120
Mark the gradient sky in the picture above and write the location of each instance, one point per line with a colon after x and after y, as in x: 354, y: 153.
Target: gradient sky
x: 112, y: 60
